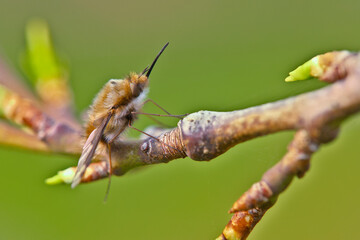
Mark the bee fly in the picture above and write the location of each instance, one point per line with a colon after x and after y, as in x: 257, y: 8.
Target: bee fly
x: 113, y: 110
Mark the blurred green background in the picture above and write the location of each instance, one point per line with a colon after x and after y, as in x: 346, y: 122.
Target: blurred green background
x: 223, y: 55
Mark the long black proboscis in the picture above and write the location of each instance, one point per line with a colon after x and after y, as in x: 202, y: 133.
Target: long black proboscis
x: 156, y: 58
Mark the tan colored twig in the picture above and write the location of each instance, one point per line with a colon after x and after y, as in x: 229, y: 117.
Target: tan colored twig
x: 11, y: 136
x: 202, y: 136
x: 242, y: 223
x: 58, y: 136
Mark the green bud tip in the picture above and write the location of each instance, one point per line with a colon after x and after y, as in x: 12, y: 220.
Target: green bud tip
x: 303, y: 72
x: 65, y: 176
x: 54, y: 180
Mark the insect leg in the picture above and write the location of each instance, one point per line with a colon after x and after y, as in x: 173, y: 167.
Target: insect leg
x: 110, y: 163
x: 161, y: 115
x: 110, y: 173
x: 152, y: 101
x: 163, y: 109
x: 159, y: 122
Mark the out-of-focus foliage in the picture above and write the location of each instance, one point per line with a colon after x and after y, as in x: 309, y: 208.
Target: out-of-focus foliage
x: 40, y: 56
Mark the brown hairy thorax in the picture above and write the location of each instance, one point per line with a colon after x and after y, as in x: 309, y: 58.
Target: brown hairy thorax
x: 116, y: 95
x: 113, y: 110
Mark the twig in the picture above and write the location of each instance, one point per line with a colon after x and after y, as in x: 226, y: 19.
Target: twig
x: 202, y: 136
x: 242, y: 223
x: 58, y: 136
x: 14, y: 137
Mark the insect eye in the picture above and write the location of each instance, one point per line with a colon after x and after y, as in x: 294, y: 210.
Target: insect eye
x: 136, y: 89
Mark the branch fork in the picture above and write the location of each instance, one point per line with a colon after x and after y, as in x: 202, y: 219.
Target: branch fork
x: 202, y: 136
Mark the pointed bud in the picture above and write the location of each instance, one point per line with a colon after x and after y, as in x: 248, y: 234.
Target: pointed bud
x: 309, y: 69
x: 65, y: 176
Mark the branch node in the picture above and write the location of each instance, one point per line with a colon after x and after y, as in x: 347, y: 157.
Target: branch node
x: 166, y: 147
x: 257, y: 195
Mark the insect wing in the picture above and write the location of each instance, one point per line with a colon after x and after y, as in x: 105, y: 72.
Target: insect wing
x: 89, y: 150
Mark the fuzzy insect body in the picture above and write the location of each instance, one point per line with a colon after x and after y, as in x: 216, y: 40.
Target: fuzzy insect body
x: 121, y: 97
x: 112, y: 111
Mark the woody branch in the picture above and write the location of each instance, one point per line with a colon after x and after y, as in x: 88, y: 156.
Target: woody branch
x: 202, y: 136
x: 316, y: 116
x: 205, y: 135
